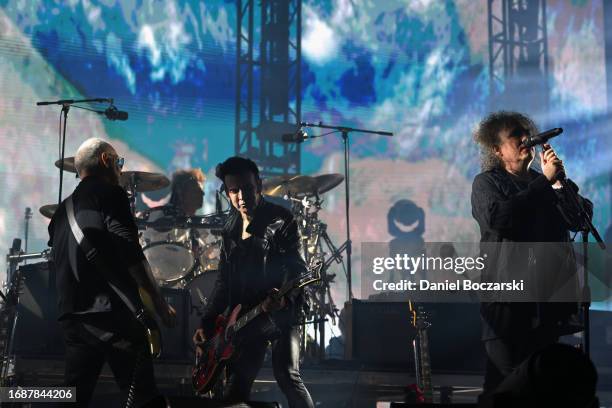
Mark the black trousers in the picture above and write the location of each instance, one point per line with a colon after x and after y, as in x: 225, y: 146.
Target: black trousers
x: 285, y: 363
x: 507, y: 353
x: 91, y: 340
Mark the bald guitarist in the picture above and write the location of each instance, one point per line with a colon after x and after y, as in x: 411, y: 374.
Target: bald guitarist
x: 94, y: 303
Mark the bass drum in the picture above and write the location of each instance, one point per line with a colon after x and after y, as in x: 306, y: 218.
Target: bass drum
x: 200, y: 290
x: 166, y: 246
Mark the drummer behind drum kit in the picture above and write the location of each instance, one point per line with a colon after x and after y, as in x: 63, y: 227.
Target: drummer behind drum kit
x: 184, y: 251
x: 178, y: 247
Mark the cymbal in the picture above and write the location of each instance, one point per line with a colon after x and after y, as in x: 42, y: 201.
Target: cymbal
x: 326, y: 182
x: 48, y: 210
x: 68, y: 164
x: 300, y: 186
x: 294, y: 185
x: 143, y: 181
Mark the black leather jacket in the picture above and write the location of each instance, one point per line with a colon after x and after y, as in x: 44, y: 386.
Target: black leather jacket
x: 248, y: 271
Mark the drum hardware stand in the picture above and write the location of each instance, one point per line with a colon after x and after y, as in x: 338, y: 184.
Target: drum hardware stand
x: 314, y: 235
x: 27, y: 217
x: 324, y: 292
x: 9, y: 316
x: 66, y: 104
x: 345, y: 131
x: 131, y: 189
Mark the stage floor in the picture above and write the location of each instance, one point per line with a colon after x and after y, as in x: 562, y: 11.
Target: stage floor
x: 331, y: 384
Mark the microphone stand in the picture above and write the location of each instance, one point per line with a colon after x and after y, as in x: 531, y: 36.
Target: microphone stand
x: 587, y: 227
x: 66, y: 104
x: 345, y: 131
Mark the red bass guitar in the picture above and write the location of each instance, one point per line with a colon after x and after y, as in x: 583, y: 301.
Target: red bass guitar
x: 220, y: 348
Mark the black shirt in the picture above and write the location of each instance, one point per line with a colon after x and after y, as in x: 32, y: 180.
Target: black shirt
x: 102, y: 211
x: 510, y: 209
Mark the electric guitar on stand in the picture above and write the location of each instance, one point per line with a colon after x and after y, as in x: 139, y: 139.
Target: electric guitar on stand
x: 421, y: 352
x: 220, y: 348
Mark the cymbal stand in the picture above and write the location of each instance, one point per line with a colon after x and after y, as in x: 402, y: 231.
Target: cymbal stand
x: 332, y: 254
x: 315, y: 236
x: 131, y: 189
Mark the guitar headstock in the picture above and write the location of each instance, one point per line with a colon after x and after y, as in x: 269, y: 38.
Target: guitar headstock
x: 313, y: 274
x: 418, y: 316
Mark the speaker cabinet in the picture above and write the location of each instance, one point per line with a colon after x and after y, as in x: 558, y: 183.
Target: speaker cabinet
x: 382, y: 333
x: 37, y: 332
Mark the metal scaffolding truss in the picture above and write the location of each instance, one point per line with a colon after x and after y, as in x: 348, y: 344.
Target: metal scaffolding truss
x: 518, y: 53
x: 268, y: 83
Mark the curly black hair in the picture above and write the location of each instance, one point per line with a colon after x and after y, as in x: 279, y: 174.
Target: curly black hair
x: 488, y: 130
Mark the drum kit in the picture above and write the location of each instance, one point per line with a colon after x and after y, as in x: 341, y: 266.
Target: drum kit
x: 184, y: 251
x: 304, y: 194
x: 179, y: 248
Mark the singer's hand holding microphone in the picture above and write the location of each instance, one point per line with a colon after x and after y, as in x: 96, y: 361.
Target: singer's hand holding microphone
x: 552, y: 166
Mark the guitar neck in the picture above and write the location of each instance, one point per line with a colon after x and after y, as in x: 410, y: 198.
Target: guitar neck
x: 257, y: 310
x: 313, y: 275
x: 247, y: 317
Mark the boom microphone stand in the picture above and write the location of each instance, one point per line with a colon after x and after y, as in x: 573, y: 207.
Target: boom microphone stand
x: 587, y: 227
x: 66, y: 104
x: 345, y: 131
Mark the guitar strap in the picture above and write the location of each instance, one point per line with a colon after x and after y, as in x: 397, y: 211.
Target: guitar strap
x: 91, y: 253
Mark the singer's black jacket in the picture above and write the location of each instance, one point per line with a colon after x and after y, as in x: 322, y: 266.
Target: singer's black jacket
x: 508, y: 210
x: 249, y: 269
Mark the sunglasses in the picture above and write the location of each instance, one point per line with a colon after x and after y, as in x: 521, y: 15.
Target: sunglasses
x: 120, y: 162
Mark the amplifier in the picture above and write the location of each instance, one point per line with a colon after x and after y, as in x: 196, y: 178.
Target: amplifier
x: 37, y: 332
x: 176, y: 341
x: 382, y: 334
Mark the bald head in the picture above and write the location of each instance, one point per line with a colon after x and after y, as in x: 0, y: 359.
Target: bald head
x: 95, y: 157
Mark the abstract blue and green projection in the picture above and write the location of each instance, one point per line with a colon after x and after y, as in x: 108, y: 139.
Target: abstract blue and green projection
x: 418, y: 68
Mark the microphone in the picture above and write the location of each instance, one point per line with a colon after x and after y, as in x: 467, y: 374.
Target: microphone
x: 113, y: 113
x: 297, y: 137
x: 542, y: 138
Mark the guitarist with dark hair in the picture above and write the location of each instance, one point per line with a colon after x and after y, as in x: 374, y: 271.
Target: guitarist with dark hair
x: 260, y: 254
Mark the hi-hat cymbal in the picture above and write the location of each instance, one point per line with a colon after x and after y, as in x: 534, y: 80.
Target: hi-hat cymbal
x: 48, y: 210
x: 142, y: 181
x: 294, y: 185
x: 68, y: 164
